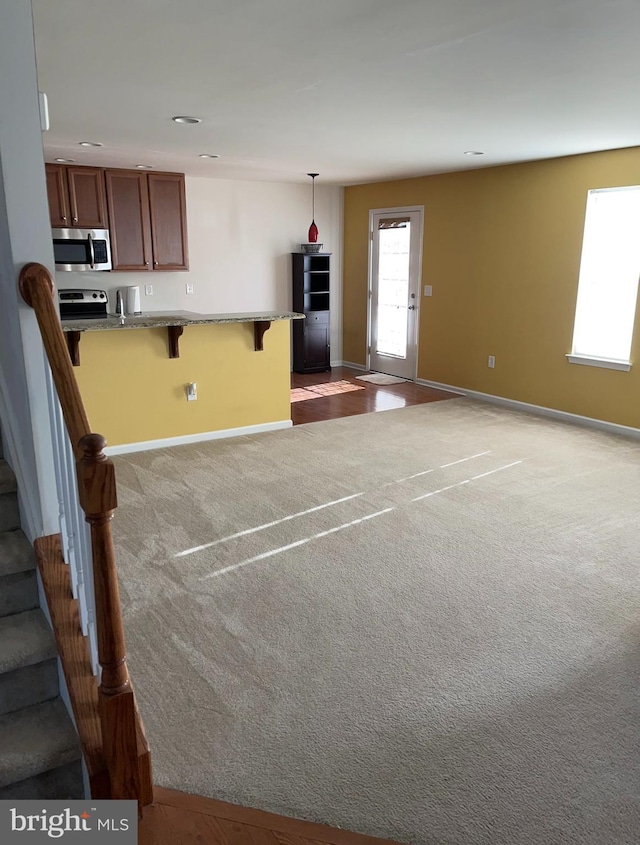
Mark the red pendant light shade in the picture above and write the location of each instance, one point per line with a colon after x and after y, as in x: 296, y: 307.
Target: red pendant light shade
x: 313, y: 229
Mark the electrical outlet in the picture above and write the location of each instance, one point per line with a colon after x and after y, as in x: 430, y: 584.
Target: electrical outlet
x: 148, y: 290
x: 491, y: 362
x: 189, y: 287
x: 192, y: 391
x: 428, y: 290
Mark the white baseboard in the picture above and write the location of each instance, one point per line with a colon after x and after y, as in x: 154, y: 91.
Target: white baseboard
x: 145, y: 445
x: 351, y: 365
x: 554, y: 413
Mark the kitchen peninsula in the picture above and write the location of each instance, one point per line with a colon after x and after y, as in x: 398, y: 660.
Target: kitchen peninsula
x: 135, y: 384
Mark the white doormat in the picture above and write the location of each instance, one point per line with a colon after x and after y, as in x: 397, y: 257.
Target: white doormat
x: 381, y: 378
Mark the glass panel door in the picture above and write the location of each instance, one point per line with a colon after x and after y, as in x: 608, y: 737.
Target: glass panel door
x: 395, y: 265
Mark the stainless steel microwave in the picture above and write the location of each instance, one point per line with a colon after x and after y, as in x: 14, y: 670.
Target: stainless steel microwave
x: 81, y: 249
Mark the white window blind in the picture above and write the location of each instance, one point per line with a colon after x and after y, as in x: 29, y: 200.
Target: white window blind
x: 609, y: 273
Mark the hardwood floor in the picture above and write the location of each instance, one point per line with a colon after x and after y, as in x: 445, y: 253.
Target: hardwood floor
x: 373, y: 398
x: 180, y: 819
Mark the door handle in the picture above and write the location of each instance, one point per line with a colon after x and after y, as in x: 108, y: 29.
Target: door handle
x: 411, y: 308
x: 92, y: 255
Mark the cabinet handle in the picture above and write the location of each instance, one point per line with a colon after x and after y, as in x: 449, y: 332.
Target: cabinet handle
x: 64, y: 219
x: 146, y: 263
x: 75, y: 219
x: 155, y: 263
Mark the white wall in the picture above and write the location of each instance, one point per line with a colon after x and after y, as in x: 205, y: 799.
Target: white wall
x: 25, y: 236
x: 241, y: 235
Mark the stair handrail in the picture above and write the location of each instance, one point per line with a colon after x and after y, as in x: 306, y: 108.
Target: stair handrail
x: 124, y: 745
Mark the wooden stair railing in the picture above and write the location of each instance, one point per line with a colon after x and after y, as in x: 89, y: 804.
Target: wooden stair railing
x: 124, y: 746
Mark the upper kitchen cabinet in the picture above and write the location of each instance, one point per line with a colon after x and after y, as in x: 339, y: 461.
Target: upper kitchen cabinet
x: 168, y: 221
x: 76, y: 197
x: 58, y: 194
x: 148, y: 220
x: 130, y: 227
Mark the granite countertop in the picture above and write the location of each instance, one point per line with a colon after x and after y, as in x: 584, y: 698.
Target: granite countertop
x: 157, y: 319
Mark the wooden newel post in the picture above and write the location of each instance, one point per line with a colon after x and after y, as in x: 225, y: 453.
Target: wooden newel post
x: 118, y: 716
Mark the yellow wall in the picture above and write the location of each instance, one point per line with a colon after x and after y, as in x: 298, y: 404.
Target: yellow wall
x: 502, y: 251
x: 134, y: 392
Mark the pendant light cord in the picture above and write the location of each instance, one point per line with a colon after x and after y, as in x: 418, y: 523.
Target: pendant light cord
x: 313, y: 195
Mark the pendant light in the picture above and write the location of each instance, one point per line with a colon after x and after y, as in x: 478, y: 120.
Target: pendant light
x: 313, y: 229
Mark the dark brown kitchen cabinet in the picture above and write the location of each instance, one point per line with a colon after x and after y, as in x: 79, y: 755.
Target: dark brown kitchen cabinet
x: 168, y: 221
x: 311, y: 297
x: 148, y: 220
x: 130, y: 226
x: 76, y: 197
x: 58, y: 194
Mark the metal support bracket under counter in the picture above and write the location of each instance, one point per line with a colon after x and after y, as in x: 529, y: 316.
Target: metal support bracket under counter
x: 175, y: 323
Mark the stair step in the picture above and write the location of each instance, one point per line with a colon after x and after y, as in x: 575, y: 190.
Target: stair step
x: 29, y: 685
x: 63, y: 783
x: 9, y: 512
x: 16, y: 553
x: 18, y: 592
x: 35, y: 740
x: 7, y: 478
x: 25, y: 639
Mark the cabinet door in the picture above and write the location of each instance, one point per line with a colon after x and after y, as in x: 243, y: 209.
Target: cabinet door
x: 316, y: 345
x: 168, y: 221
x: 58, y: 196
x: 128, y: 200
x: 86, y: 197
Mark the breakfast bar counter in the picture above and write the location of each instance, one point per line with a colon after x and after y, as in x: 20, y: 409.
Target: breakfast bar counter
x: 142, y: 390
x: 156, y: 319
x: 174, y: 321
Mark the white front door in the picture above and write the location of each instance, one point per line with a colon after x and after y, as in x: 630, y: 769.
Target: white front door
x: 395, y: 270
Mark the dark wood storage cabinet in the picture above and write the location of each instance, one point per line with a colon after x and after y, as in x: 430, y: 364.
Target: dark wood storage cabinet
x: 76, y: 197
x: 148, y: 220
x: 128, y: 199
x: 168, y: 215
x: 311, y: 340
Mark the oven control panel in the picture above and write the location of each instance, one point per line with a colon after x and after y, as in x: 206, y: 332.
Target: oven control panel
x: 82, y: 295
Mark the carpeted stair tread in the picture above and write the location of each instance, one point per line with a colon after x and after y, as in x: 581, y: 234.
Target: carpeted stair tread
x: 16, y: 553
x: 35, y: 740
x: 18, y: 593
x: 28, y: 686
x: 25, y: 639
x: 64, y: 783
x: 7, y: 478
x: 9, y: 512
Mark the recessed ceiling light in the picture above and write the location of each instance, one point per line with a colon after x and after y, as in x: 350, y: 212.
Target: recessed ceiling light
x: 185, y: 119
x: 89, y: 144
x: 473, y: 153
x: 65, y: 160
x: 208, y: 155
x: 144, y: 166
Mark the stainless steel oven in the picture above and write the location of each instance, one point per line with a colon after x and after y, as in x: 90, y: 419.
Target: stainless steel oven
x: 82, y: 303
x: 81, y: 249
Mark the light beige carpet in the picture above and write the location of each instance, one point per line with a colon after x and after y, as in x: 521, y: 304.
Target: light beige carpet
x: 434, y: 635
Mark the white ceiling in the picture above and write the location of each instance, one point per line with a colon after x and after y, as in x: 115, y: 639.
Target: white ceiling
x: 357, y: 90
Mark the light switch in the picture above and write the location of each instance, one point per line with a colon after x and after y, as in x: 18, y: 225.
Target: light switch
x: 428, y: 290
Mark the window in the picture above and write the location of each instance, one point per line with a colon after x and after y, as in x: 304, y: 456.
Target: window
x: 608, y: 283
